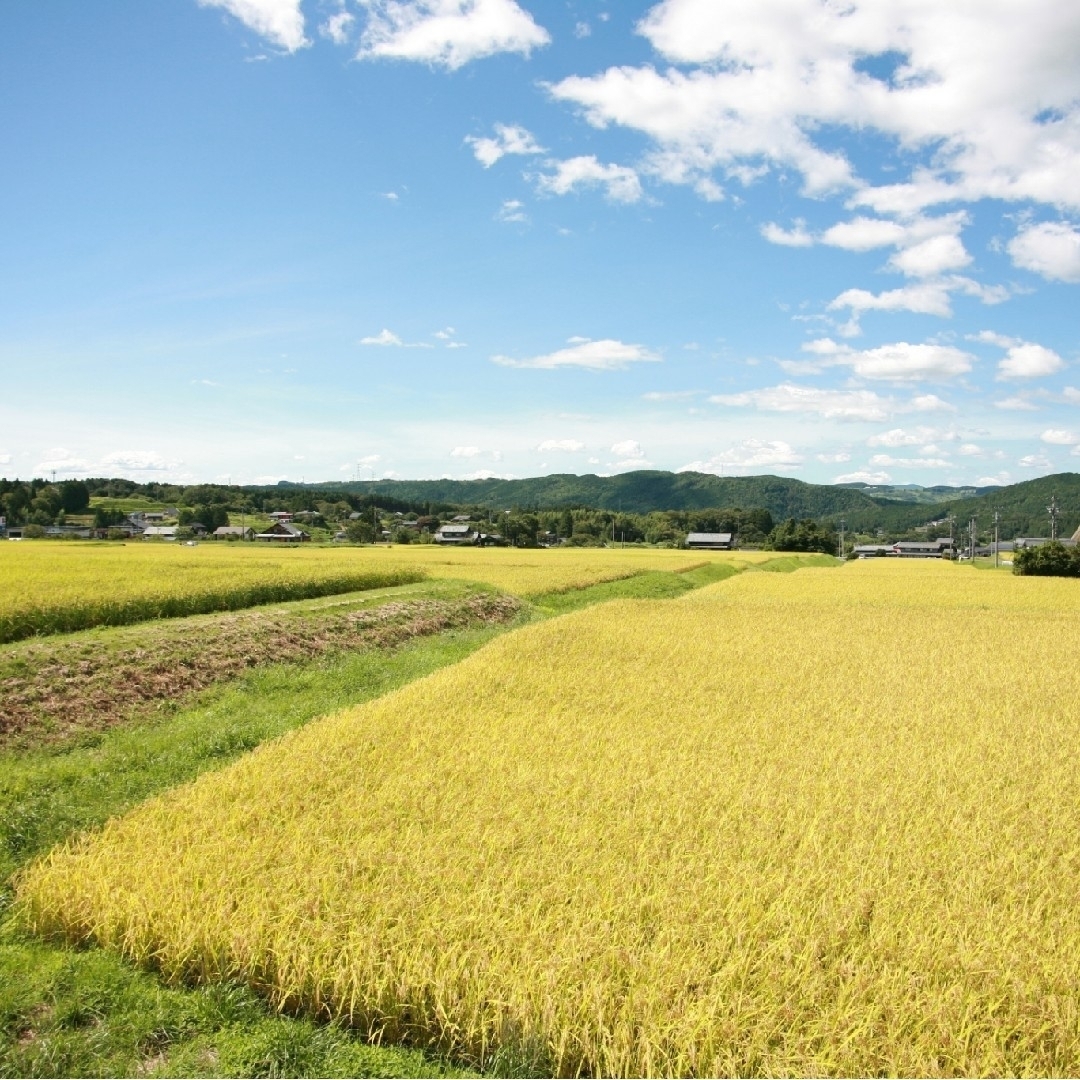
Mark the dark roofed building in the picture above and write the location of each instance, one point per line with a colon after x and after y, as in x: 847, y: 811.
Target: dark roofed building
x: 710, y: 541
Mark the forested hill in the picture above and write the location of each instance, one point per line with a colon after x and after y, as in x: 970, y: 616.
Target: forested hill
x: 634, y: 492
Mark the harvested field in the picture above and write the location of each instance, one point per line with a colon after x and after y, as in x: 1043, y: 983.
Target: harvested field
x: 57, y: 688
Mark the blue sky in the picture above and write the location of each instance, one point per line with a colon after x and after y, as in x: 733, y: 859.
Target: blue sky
x: 253, y: 240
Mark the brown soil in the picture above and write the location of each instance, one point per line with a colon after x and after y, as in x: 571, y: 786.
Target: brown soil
x: 67, y: 688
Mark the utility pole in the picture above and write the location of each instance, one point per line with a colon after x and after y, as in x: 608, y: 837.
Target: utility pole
x: 972, y: 550
x: 997, y: 539
x: 1053, y: 510
x: 843, y: 525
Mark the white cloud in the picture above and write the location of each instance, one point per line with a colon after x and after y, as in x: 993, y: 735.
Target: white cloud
x: 280, y: 22
x: 1035, y: 461
x: 582, y: 30
x: 134, y: 461
x: 509, y: 139
x: 569, y: 446
x: 630, y: 464
x: 512, y: 211
x: 670, y: 395
x: 384, y: 337
x: 1057, y: 437
x: 60, y: 459
x: 797, y: 236
x: 1071, y: 394
x: 912, y: 463
x: 388, y: 337
x: 984, y: 99
x: 828, y: 404
x: 863, y: 476
x: 448, y: 33
x: 834, y: 459
x: 898, y: 362
x: 628, y: 448
x: 897, y: 437
x: 930, y: 403
x: 1020, y: 404
x: 993, y: 481
x: 970, y: 450
x: 620, y: 183
x: 749, y: 454
x: 5, y: 459
x: 485, y: 474
x: 1051, y: 249
x: 864, y: 234
x: 604, y: 355
x: 337, y: 27
x: 445, y: 334
x: 1026, y: 360
x: 475, y: 451
x: 931, y: 257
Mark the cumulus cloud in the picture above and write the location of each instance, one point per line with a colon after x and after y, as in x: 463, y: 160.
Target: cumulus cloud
x: 387, y: 337
x: 897, y: 437
x: 606, y: 354
x: 864, y: 234
x: 910, y: 462
x: 136, y: 461
x: 5, y: 459
x: 863, y: 476
x: 448, y: 33
x: 620, y: 183
x: 60, y: 459
x: 933, y: 297
x: 485, y: 474
x: 897, y: 362
x: 1026, y: 360
x: 762, y: 84
x: 796, y: 236
x: 569, y: 446
x: 834, y: 459
x: 1051, y: 249
x: 337, y: 27
x: 280, y: 22
x: 1020, y: 404
x: 749, y: 454
x: 970, y: 450
x: 475, y: 451
x: 628, y: 448
x: 828, y: 404
x: 1058, y: 437
x: 383, y: 337
x: 1035, y: 461
x: 509, y: 139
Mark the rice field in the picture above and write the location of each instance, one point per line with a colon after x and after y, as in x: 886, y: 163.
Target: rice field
x: 53, y: 587
x: 818, y: 823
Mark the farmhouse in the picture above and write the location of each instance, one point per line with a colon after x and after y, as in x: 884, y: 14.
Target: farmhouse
x: 941, y: 548
x: 159, y: 532
x: 456, y: 534
x: 710, y: 541
x: 283, y: 532
x: 223, y: 532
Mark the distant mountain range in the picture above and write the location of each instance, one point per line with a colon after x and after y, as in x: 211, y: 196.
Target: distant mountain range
x: 894, y: 508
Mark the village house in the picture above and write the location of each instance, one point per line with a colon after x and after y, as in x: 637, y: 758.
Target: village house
x: 708, y: 541
x: 283, y: 532
x: 224, y: 532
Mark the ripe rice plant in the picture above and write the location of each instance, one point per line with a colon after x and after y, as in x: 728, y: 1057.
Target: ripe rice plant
x: 56, y: 588
x: 50, y: 588
x: 819, y: 823
x: 531, y: 572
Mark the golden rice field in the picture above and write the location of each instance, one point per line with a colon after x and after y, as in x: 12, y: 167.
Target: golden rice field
x: 55, y: 587
x: 817, y: 823
x: 48, y: 588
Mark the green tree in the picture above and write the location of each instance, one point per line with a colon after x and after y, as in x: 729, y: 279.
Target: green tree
x: 1052, y: 559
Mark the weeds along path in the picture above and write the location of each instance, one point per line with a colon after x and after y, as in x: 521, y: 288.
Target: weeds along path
x: 54, y: 689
